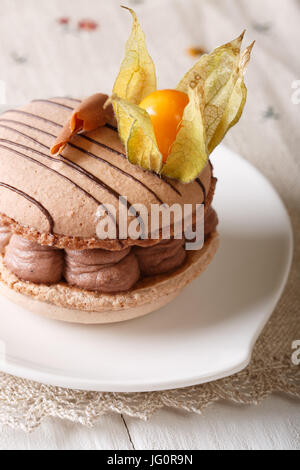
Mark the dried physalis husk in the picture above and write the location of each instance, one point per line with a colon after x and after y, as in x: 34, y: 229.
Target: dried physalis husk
x: 219, y: 77
x: 235, y: 103
x: 137, y: 76
x: 189, y: 154
x: 218, y: 81
x: 87, y: 116
x: 137, y: 135
x: 217, y: 93
x: 135, y: 81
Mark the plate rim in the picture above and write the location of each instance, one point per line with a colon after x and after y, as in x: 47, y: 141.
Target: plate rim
x: 76, y: 383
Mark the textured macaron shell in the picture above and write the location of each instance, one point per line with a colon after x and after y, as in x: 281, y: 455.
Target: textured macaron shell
x: 62, y: 194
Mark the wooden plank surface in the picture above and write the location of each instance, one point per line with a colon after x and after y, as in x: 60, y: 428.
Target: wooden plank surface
x: 110, y: 433
x: 275, y: 424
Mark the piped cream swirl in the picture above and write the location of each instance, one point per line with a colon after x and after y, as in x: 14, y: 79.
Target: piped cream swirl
x: 161, y: 258
x: 101, y: 270
x: 94, y: 269
x: 33, y: 262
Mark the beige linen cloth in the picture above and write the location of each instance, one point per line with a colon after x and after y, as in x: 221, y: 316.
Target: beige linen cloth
x: 74, y: 48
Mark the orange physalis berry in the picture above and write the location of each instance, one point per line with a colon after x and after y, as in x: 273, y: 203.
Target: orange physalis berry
x: 165, y: 108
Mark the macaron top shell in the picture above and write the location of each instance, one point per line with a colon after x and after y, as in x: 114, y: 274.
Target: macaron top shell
x: 59, y: 196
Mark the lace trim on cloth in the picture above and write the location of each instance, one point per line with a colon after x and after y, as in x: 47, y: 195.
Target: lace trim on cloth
x: 25, y: 404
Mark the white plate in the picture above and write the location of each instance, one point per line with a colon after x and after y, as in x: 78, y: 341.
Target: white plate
x: 206, y: 334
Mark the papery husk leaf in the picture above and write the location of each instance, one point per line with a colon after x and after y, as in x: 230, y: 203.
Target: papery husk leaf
x: 189, y: 154
x: 215, y: 76
x: 137, y: 76
x: 137, y: 135
x: 235, y: 104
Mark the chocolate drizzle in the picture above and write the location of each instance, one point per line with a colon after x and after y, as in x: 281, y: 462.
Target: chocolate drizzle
x: 33, y: 201
x: 93, y: 141
x: 10, y: 144
x: 64, y: 161
x: 44, y: 166
x: 92, y: 177
x: 66, y: 98
x: 113, y: 128
x: 92, y: 155
x: 68, y: 162
x: 203, y: 188
x: 55, y: 103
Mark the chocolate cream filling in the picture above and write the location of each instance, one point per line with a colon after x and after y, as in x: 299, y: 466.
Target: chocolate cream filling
x: 33, y: 262
x: 101, y: 270
x: 95, y: 269
x: 170, y: 254
x: 161, y: 258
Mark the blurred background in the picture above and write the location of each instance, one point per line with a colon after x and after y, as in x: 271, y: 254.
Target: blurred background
x: 74, y: 48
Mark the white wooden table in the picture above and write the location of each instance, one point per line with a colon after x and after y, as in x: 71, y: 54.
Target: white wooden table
x: 173, y: 26
x: 275, y: 424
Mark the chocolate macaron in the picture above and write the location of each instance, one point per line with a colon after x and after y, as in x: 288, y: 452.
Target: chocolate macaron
x: 53, y: 261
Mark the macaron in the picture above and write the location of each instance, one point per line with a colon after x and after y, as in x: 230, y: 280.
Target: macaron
x: 53, y: 260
